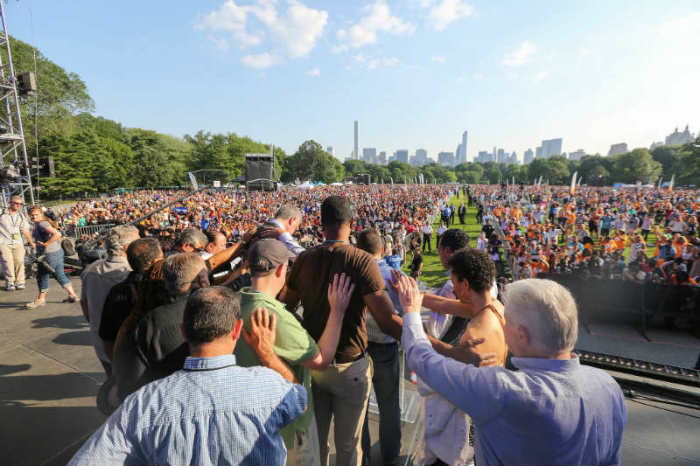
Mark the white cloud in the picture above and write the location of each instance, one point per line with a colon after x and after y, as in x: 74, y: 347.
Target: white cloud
x: 232, y: 19
x: 261, y: 60
x: 521, y: 55
x: 314, y: 72
x: 478, y: 76
x: 446, y: 12
x: 292, y: 33
x: 378, y: 18
x: 541, y: 75
x: 376, y: 62
x: 584, y: 51
x: 438, y: 59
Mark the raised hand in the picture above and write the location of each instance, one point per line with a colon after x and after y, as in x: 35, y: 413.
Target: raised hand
x: 410, y: 296
x: 262, y: 334
x: 339, y: 293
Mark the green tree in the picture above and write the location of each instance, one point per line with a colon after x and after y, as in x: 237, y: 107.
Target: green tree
x: 670, y: 159
x: 634, y: 166
x: 60, y: 94
x: 555, y: 169
x: 311, y: 162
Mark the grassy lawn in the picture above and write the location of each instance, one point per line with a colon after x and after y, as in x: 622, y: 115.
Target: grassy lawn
x: 433, y: 272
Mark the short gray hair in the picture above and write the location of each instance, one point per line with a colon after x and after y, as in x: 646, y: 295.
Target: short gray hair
x: 195, y: 237
x: 119, y: 238
x: 287, y: 211
x: 547, y: 310
x: 180, y: 270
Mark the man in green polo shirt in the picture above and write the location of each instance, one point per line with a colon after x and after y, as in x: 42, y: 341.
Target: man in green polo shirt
x: 268, y: 260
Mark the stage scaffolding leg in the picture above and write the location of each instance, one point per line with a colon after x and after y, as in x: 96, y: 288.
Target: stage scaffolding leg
x: 13, y: 151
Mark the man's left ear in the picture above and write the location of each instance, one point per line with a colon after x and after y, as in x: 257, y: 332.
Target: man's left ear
x: 237, y: 329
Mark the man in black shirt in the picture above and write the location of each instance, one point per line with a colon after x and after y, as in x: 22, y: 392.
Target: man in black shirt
x: 157, y: 348
x: 122, y: 297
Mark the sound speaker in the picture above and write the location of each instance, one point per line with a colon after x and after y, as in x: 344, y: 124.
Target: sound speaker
x: 259, y: 172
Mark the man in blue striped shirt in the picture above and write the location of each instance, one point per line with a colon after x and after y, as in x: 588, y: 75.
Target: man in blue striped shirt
x: 553, y: 410
x: 212, y: 412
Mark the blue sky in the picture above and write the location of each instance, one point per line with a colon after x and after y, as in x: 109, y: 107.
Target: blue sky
x: 415, y: 73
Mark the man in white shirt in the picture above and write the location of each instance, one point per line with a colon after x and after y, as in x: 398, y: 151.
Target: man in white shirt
x: 427, y: 230
x: 286, y: 222
x: 14, y: 225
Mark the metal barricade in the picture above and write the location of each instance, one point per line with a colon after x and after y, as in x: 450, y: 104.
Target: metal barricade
x: 89, y: 230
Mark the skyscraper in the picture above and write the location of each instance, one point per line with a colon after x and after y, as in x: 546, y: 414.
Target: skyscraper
x: 619, y: 148
x: 677, y: 138
x: 577, y: 155
x: 401, y: 155
x: 369, y: 154
x: 551, y: 147
x: 446, y: 158
x: 501, y: 156
x: 528, y: 156
x: 421, y: 157
x: 356, y: 152
x: 462, y: 155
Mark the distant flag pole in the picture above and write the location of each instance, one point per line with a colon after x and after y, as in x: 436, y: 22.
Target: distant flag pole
x: 513, y: 183
x: 574, y: 178
x: 392, y: 180
x: 670, y: 185
x: 658, y: 186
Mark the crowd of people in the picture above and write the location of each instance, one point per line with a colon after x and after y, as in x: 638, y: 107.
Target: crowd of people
x: 639, y: 234
x: 237, y: 328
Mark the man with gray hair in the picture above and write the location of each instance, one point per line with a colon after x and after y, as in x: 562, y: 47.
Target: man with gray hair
x: 286, y: 222
x: 156, y: 348
x: 99, y: 277
x: 553, y: 410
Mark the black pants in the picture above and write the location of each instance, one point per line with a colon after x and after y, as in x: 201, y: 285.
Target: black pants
x: 461, y: 219
x: 426, y: 242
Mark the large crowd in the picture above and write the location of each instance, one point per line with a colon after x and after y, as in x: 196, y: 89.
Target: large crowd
x: 247, y: 327
x: 639, y: 234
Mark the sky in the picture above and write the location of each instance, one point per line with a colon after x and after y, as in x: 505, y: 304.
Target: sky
x: 414, y: 73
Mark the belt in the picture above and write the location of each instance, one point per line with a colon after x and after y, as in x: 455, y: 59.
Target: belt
x: 344, y: 359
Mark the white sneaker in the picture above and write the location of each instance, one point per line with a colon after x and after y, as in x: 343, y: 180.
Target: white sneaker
x: 19, y: 286
x: 10, y: 287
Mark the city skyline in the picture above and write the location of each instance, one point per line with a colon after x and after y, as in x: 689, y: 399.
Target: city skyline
x: 546, y: 149
x: 592, y: 73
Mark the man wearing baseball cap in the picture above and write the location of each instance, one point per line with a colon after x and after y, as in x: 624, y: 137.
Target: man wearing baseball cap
x: 268, y: 261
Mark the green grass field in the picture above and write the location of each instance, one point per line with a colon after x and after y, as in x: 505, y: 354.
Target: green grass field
x: 433, y: 272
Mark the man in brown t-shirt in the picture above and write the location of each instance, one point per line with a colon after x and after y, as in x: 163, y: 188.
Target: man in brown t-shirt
x: 341, y: 390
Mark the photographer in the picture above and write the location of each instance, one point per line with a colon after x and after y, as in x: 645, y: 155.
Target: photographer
x: 14, y: 225
x: 48, y: 247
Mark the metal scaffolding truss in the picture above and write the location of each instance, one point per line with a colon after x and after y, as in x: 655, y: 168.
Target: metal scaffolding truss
x: 13, y: 151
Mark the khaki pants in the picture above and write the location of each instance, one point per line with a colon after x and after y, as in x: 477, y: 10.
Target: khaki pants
x: 305, y: 451
x: 341, y: 393
x: 13, y: 263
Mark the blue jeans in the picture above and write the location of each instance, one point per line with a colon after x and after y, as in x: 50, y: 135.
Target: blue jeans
x: 55, y: 260
x: 386, y: 380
